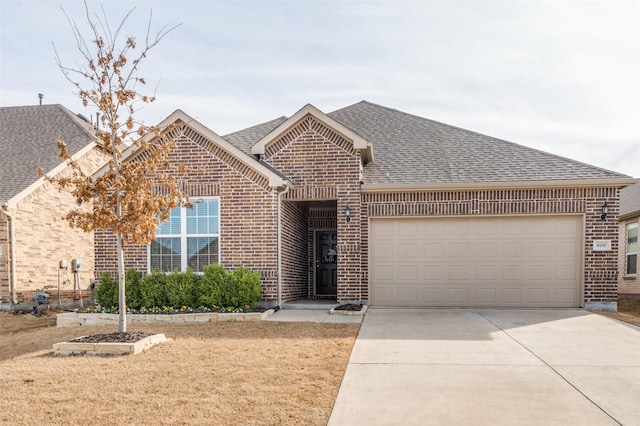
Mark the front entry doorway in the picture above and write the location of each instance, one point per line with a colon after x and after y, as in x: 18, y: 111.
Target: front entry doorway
x: 326, y: 263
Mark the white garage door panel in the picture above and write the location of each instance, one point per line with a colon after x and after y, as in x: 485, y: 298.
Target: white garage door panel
x: 509, y: 261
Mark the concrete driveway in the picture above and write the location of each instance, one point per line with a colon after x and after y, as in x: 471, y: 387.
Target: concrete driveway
x: 491, y: 367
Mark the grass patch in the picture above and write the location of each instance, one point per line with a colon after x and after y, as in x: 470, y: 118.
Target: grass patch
x: 262, y: 373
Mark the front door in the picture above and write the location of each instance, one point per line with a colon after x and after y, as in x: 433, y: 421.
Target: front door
x: 326, y: 263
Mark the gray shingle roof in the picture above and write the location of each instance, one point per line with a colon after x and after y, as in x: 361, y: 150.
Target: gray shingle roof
x: 410, y: 149
x: 630, y: 199
x: 244, y: 139
x: 28, y: 140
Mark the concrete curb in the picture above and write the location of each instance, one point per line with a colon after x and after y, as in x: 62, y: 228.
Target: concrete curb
x: 74, y: 319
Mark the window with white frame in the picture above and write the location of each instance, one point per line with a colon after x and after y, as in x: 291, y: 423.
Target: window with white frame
x: 632, y: 249
x: 190, y: 238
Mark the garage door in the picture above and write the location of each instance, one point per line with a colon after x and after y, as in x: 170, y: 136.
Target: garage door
x: 493, y: 262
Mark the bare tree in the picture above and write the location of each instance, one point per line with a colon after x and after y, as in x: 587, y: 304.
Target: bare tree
x: 130, y: 197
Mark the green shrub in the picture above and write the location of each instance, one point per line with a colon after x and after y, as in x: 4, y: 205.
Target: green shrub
x: 181, y: 289
x: 153, y: 290
x: 210, y: 286
x: 107, y: 291
x: 217, y: 288
x: 242, y: 289
x: 132, y: 289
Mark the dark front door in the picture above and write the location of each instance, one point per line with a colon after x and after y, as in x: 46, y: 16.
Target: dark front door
x: 326, y: 263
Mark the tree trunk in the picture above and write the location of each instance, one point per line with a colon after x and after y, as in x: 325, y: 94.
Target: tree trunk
x: 122, y: 303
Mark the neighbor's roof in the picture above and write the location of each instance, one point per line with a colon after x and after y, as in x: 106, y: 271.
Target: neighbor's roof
x: 630, y: 200
x: 410, y: 149
x: 413, y: 150
x: 28, y: 137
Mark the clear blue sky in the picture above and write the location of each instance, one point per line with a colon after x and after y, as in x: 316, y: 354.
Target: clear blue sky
x: 560, y: 76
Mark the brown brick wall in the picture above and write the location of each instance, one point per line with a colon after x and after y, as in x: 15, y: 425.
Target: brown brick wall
x: 247, y: 210
x: 627, y: 284
x: 600, y: 268
x: 325, y: 166
x: 295, y: 262
x: 43, y: 237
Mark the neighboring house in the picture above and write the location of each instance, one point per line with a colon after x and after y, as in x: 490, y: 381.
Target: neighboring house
x: 34, y: 236
x: 629, y: 280
x: 372, y: 204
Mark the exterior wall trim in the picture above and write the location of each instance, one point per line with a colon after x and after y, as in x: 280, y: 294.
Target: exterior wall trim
x: 582, y: 183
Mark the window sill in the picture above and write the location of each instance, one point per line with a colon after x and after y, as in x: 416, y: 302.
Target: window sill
x: 629, y: 277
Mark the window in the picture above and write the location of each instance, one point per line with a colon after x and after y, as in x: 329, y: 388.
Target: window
x: 632, y: 248
x: 191, y: 237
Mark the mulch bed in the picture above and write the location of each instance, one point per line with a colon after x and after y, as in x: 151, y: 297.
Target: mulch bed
x: 131, y: 337
x: 355, y: 307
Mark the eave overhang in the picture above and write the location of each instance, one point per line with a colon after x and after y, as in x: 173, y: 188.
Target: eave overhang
x: 464, y: 186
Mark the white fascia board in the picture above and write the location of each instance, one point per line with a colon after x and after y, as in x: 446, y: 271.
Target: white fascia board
x: 359, y: 143
x: 581, y: 183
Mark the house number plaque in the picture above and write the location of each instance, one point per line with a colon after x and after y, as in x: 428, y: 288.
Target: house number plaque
x: 601, y: 245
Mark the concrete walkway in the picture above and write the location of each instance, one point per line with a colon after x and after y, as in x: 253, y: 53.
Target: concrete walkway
x: 491, y: 367
x: 312, y: 315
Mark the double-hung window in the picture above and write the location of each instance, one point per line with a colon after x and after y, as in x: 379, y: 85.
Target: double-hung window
x: 632, y: 249
x: 190, y: 238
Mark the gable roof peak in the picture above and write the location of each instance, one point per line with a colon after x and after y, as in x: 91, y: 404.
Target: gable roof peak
x: 359, y: 143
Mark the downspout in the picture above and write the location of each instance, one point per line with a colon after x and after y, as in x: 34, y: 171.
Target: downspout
x: 279, y: 243
x: 12, y: 240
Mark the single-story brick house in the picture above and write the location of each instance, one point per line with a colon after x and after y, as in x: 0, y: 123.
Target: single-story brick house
x: 34, y: 236
x: 629, y: 280
x: 372, y: 204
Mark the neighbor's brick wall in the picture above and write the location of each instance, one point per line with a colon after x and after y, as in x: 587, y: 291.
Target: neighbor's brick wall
x: 43, y: 237
x: 600, y: 268
x: 325, y: 166
x: 247, y: 210
x: 628, y: 284
x: 5, y: 291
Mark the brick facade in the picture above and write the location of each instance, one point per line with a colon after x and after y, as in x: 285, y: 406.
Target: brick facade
x: 600, y: 268
x: 325, y: 171
x: 247, y: 210
x: 43, y: 237
x: 324, y: 166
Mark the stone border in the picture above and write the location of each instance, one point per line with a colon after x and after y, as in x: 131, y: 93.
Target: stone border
x: 73, y: 319
x: 361, y: 312
x: 75, y: 348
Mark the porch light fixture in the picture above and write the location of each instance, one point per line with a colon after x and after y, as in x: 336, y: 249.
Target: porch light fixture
x: 605, y: 211
x: 347, y: 213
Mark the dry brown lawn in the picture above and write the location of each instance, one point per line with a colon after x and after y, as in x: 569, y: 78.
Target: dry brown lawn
x: 628, y: 309
x: 218, y: 373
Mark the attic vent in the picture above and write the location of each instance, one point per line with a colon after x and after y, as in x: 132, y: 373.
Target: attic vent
x: 84, y: 118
